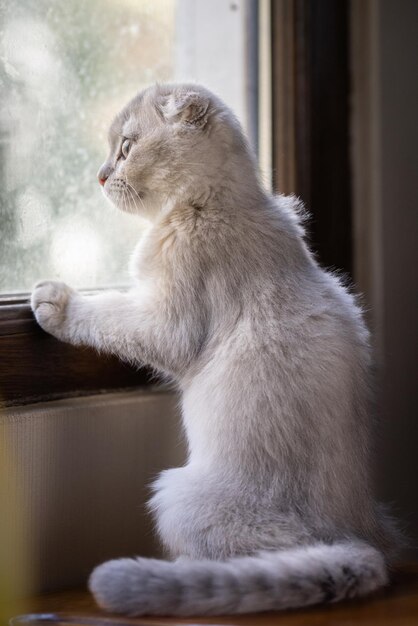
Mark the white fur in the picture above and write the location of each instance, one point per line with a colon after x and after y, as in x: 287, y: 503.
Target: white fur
x: 263, y: 582
x: 271, y: 356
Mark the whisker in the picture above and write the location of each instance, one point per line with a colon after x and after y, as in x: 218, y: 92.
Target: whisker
x: 132, y: 189
x: 129, y: 190
x: 123, y: 200
x: 127, y: 207
x: 131, y: 197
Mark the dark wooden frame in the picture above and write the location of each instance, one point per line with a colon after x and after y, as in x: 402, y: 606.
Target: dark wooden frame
x: 310, y: 120
x: 35, y: 366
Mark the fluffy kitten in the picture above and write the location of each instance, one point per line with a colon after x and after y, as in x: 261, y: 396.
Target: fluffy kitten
x: 274, y: 507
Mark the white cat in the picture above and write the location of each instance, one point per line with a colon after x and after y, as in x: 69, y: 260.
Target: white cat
x: 270, y: 352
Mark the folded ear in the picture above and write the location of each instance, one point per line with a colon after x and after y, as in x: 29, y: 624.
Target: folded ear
x: 189, y: 107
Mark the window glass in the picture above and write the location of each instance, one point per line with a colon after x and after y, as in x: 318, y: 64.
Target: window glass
x: 65, y: 69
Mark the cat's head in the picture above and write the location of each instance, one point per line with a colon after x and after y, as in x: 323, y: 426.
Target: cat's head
x: 170, y: 141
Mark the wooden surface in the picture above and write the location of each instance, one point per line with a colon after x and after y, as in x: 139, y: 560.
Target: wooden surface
x: 34, y: 366
x: 397, y: 605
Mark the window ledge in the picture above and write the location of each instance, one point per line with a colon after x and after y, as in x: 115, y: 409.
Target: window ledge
x: 34, y: 366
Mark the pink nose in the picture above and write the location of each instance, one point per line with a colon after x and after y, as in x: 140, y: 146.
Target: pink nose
x: 102, y: 181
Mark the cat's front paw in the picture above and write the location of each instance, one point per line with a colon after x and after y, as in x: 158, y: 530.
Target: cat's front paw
x: 49, y: 304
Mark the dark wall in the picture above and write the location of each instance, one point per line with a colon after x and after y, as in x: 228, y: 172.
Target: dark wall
x: 397, y: 38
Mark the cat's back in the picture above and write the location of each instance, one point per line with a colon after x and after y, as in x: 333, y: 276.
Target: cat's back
x: 278, y: 292
x: 286, y: 328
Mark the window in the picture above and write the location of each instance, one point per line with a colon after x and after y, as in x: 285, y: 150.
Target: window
x: 67, y: 68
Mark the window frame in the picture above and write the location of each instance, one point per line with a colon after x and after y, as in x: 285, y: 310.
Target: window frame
x: 35, y: 366
x: 311, y: 119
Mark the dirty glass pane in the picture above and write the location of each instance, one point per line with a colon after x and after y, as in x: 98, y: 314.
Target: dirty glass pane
x: 66, y: 67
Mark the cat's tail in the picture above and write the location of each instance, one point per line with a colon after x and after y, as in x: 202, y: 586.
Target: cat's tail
x: 267, y: 581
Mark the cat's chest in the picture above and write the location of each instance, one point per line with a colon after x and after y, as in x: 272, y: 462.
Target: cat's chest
x: 148, y: 273
x: 142, y: 262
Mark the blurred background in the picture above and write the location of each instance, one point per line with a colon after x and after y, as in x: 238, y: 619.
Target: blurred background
x: 328, y: 96
x: 67, y: 68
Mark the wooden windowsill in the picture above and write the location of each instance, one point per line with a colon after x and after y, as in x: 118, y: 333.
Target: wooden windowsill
x: 34, y: 366
x: 396, y: 605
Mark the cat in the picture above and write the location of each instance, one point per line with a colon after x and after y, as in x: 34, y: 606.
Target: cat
x: 274, y: 508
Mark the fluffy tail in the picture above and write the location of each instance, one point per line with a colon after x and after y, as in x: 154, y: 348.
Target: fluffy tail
x: 267, y: 581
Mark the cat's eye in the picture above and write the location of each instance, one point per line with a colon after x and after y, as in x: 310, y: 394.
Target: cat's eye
x: 126, y: 145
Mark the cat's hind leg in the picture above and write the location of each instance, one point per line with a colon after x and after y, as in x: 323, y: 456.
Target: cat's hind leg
x: 202, y: 518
